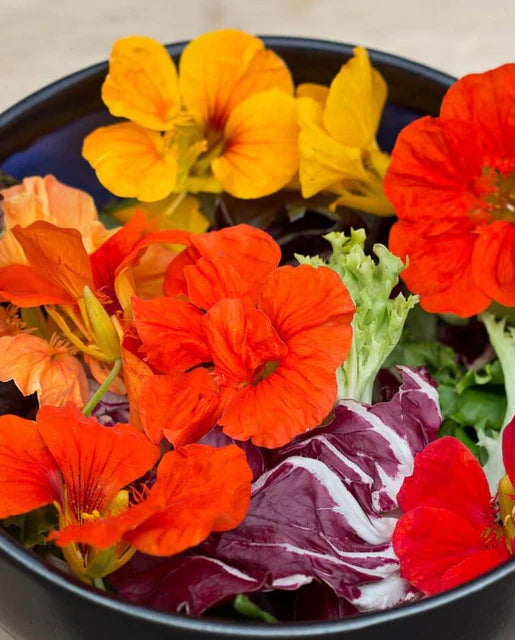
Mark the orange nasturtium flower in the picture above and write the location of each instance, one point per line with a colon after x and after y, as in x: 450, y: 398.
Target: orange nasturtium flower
x: 241, y: 343
x: 86, y: 469
x: 227, y: 123
x: 337, y: 142
x: 45, y: 367
x: 50, y: 200
x: 86, y: 296
x: 452, y: 183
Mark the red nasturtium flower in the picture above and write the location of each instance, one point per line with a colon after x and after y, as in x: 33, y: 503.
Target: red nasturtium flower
x: 265, y: 341
x: 449, y: 533
x: 84, y: 469
x: 452, y: 184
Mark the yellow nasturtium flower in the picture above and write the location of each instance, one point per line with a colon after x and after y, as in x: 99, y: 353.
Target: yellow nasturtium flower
x: 337, y: 143
x: 229, y: 121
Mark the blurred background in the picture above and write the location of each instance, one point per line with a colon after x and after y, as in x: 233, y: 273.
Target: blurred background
x: 43, y: 40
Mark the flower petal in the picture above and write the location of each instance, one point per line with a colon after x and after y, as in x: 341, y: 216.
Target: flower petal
x: 479, y: 112
x: 58, y: 255
x: 241, y: 340
x: 171, y: 333
x: 493, y: 262
x: 108, y: 257
x: 132, y: 162
x: 96, y: 462
x: 220, y: 69
x: 304, y: 300
x: 29, y: 476
x: 199, y: 489
x: 445, y: 251
x: 142, y: 83
x: 448, y: 476
x: 47, y: 199
x: 260, y: 154
x: 209, y: 282
x: 23, y: 286
x: 473, y: 567
x: 431, y: 541
x: 323, y: 160
x: 252, y: 252
x: 359, y: 92
x: 311, y: 311
x: 135, y: 372
x: 318, y: 92
x: 428, y: 183
x: 38, y: 367
x: 182, y: 408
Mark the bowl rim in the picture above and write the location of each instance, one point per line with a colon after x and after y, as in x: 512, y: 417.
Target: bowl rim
x: 33, y: 565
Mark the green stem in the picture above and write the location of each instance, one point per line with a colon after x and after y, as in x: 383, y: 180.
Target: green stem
x: 98, y: 395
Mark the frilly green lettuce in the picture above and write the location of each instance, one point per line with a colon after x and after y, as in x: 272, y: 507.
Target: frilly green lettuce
x: 502, y: 338
x: 379, y: 319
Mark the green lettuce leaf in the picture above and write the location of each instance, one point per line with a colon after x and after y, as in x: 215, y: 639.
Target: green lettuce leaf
x: 379, y: 319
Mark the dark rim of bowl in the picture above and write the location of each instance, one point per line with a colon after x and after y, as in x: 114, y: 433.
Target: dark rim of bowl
x: 32, y: 564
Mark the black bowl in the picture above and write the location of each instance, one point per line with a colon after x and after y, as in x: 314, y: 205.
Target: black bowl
x: 43, y: 134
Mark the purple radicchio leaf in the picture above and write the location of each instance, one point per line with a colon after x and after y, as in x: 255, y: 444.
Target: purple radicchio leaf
x: 320, y: 515
x: 112, y: 409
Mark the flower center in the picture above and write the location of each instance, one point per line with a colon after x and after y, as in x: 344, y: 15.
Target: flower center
x: 497, y: 190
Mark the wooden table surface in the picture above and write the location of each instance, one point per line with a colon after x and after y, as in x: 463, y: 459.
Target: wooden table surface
x: 43, y: 40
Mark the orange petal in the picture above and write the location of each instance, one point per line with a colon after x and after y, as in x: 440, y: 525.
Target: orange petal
x: 443, y: 249
x: 219, y: 70
x: 260, y: 155
x: 199, y: 490
x: 29, y: 477
x: 301, y: 301
x: 108, y: 257
x: 96, y: 462
x: 44, y: 368
x: 25, y: 287
x: 355, y: 102
x: 252, y: 252
x: 132, y: 162
x: 47, y: 199
x: 311, y: 311
x: 208, y: 282
x: 493, y: 262
x: 182, y: 408
x: 171, y: 333
x: 293, y: 399
x: 135, y: 371
x: 241, y: 341
x: 142, y: 83
x: 58, y: 255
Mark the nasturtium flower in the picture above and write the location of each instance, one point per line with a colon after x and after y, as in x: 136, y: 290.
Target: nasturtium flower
x: 228, y: 123
x: 52, y: 201
x: 449, y: 532
x: 47, y: 368
x: 87, y: 296
x: 85, y: 469
x: 337, y: 141
x: 240, y: 95
x: 265, y: 342
x: 452, y: 184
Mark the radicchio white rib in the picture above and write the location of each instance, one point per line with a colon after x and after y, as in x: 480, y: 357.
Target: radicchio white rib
x: 320, y: 513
